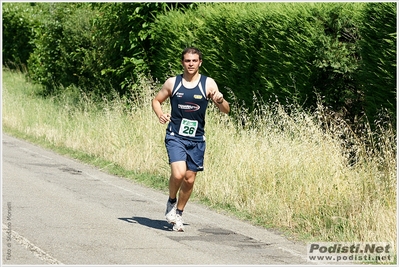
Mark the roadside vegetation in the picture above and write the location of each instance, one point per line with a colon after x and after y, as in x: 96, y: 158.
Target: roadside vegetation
x: 284, y: 169
x: 309, y: 147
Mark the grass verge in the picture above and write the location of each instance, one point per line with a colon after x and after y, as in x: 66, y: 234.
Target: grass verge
x: 283, y: 170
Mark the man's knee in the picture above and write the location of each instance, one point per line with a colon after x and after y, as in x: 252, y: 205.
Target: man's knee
x: 178, y: 170
x: 178, y: 177
x: 189, y: 178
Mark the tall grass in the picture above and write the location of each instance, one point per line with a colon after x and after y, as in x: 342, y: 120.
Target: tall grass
x: 283, y: 169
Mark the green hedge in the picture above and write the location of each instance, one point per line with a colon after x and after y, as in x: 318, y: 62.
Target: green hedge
x: 292, y: 51
x: 341, y: 53
x: 378, y: 66
x: 98, y: 48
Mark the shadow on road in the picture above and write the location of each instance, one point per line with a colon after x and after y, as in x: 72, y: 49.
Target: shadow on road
x: 156, y: 224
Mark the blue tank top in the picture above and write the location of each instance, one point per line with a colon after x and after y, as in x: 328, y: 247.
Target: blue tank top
x: 188, y: 110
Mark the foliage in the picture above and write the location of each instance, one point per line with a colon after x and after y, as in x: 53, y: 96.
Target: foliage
x: 342, y: 54
x: 292, y: 51
x: 62, y: 36
x: 378, y: 65
x: 337, y: 57
x: 170, y: 34
x: 19, y: 20
x: 97, y: 48
x: 123, y: 31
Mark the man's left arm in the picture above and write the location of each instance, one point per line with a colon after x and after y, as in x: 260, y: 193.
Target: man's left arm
x: 217, y: 96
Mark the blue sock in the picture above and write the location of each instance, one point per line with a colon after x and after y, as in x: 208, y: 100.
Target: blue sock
x: 172, y: 201
x: 180, y: 212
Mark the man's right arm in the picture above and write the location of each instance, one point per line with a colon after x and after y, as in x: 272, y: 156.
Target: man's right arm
x: 161, y: 96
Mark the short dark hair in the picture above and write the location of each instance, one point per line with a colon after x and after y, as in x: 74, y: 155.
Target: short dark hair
x: 192, y: 50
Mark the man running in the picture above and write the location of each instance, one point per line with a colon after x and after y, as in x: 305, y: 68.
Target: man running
x: 189, y: 94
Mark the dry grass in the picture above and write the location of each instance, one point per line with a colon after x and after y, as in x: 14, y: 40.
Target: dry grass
x: 282, y: 169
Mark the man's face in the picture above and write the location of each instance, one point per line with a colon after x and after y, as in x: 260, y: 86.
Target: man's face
x: 191, y: 63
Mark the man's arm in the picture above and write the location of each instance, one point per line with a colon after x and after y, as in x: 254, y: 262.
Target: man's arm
x: 217, y: 96
x: 162, y: 95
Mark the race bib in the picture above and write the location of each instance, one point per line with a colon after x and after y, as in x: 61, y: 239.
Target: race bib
x: 188, y: 127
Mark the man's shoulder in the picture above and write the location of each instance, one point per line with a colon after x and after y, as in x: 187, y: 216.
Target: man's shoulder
x: 210, y: 81
x: 170, y: 82
x: 173, y: 79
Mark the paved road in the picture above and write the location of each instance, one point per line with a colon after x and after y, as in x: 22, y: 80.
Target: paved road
x: 59, y: 211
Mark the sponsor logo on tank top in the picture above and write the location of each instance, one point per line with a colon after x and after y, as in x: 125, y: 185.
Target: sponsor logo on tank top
x: 189, y: 107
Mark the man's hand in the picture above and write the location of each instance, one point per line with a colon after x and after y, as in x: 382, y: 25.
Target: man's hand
x: 217, y: 97
x: 164, y: 118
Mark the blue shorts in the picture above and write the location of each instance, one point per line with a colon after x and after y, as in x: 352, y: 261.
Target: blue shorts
x: 192, y: 152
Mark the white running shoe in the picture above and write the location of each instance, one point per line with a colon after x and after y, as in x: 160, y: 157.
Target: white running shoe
x: 170, y: 213
x: 178, y: 226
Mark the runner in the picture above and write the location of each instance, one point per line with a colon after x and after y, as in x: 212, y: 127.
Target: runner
x: 189, y: 94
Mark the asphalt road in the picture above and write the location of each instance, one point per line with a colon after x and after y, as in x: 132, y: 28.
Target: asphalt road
x: 56, y: 210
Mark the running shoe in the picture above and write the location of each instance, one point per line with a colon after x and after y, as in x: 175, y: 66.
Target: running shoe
x: 178, y: 226
x: 170, y: 213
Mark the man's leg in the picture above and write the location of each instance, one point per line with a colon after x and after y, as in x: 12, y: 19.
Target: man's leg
x: 178, y: 169
x: 178, y: 173
x: 186, y: 189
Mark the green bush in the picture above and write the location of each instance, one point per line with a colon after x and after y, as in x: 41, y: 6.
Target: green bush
x: 170, y: 34
x: 231, y: 37
x: 60, y: 40
x: 336, y: 58
x: 123, y: 29
x: 19, y: 20
x: 292, y: 51
x: 378, y: 66
x: 343, y: 54
x: 100, y: 48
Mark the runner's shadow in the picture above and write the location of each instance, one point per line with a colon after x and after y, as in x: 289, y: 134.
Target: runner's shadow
x: 156, y: 224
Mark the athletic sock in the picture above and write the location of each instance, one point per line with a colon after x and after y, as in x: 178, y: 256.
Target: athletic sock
x: 180, y: 212
x: 172, y: 201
